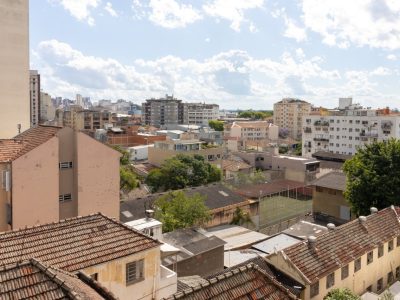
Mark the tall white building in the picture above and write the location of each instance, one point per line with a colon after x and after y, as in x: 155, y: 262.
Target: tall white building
x: 34, y: 96
x: 14, y: 71
x: 47, y: 109
x: 345, y: 130
x: 201, y: 113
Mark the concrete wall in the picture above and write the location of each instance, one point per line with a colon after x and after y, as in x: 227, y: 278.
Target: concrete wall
x: 97, y: 177
x: 14, y: 71
x: 35, y: 186
x: 328, y: 201
x: 112, y: 275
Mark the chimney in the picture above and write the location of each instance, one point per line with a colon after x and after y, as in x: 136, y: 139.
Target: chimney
x: 373, y: 210
x: 362, y: 219
x: 330, y: 226
x: 149, y: 214
x: 312, y: 240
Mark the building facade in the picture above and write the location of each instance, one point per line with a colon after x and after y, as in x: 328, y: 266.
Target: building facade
x: 164, y: 111
x: 84, y: 119
x: 252, y: 131
x: 202, y: 113
x: 14, y: 72
x: 50, y: 173
x: 47, y: 109
x: 34, y: 97
x: 288, y: 115
x: 344, y: 131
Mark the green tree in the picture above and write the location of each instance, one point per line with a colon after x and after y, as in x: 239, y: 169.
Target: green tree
x: 241, y: 218
x: 177, y: 210
x: 298, y: 149
x: 155, y: 180
x: 341, y: 294
x: 127, y: 179
x: 256, y: 115
x: 124, y: 159
x: 373, y: 177
x: 216, y: 125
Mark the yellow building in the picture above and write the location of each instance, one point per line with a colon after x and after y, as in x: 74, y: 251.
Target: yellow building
x: 121, y: 259
x: 50, y: 173
x: 362, y: 255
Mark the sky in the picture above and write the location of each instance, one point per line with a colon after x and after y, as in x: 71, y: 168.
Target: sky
x: 240, y: 54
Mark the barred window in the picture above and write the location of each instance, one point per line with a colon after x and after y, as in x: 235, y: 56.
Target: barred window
x: 380, y: 250
x: 330, y: 280
x: 370, y: 257
x: 134, y: 272
x: 314, y: 289
x: 357, y: 264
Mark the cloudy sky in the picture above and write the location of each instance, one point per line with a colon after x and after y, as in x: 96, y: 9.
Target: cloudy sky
x: 237, y: 53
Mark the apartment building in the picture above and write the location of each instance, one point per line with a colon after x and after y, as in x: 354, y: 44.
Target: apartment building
x: 362, y: 255
x: 345, y: 130
x: 164, y: 111
x: 252, y: 131
x: 288, y: 115
x: 14, y: 71
x: 201, y: 113
x: 163, y: 150
x: 84, y: 119
x: 47, y: 109
x: 124, y: 261
x: 50, y: 173
x: 34, y: 97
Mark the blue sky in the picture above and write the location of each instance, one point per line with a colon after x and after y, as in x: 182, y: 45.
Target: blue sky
x: 239, y: 54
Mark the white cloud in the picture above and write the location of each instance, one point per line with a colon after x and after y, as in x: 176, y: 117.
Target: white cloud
x: 207, y: 40
x: 373, y: 23
x: 233, y: 78
x: 391, y: 57
x: 294, y: 31
x: 171, y: 14
x: 80, y: 9
x: 252, y: 28
x: 231, y: 10
x: 110, y: 10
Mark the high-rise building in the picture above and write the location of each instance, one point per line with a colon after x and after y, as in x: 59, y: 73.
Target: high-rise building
x: 34, y: 96
x: 201, y: 113
x: 79, y: 100
x: 288, y: 115
x: 164, y: 111
x: 14, y: 71
x: 47, y: 109
x: 344, y: 130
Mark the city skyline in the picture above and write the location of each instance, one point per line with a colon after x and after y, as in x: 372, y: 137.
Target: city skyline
x: 233, y: 53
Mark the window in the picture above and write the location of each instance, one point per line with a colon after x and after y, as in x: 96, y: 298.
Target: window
x: 398, y: 241
x: 65, y: 198
x: 65, y: 165
x: 314, y: 289
x: 330, y: 280
x: 345, y: 272
x: 134, y: 272
x: 379, y: 284
x: 390, y: 278
x: 357, y: 264
x: 398, y: 272
x: 94, y: 276
x: 370, y: 257
x: 390, y: 246
x: 380, y: 250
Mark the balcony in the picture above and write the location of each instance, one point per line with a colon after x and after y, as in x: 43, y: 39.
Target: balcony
x: 307, y: 130
x: 386, y: 125
x: 369, y: 134
x: 321, y: 139
x: 321, y: 123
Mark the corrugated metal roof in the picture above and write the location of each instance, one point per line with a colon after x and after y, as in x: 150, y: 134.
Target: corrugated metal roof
x: 276, y: 243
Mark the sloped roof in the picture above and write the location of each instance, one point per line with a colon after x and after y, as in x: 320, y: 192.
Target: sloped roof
x: 334, y: 180
x: 246, y: 282
x: 336, y: 248
x: 32, y: 279
x: 75, y: 243
x: 11, y: 149
x: 234, y: 165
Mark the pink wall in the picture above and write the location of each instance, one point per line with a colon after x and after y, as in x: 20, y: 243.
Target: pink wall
x: 35, y: 186
x: 97, y: 177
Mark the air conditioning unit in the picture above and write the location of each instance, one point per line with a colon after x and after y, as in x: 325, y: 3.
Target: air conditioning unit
x: 6, y: 180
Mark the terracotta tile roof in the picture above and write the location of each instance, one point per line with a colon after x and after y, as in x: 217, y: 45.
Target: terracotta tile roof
x: 246, y: 282
x: 254, y: 191
x: 336, y: 248
x: 234, y: 165
x: 75, y: 243
x: 34, y: 280
x: 11, y: 149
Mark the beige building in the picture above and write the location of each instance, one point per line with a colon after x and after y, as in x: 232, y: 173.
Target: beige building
x: 34, y: 97
x: 328, y: 199
x: 163, y: 150
x: 252, y: 131
x: 47, y: 109
x: 288, y: 114
x: 84, y: 119
x: 14, y: 72
x: 124, y: 261
x: 50, y: 173
x: 362, y: 255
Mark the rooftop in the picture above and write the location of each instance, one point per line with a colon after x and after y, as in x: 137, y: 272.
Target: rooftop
x: 255, y: 191
x: 303, y: 229
x: 74, y: 244
x: 11, y: 149
x: 276, y: 243
x: 216, y: 196
x: 32, y: 279
x: 337, y: 247
x: 246, y: 282
x: 335, y: 180
x: 325, y: 155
